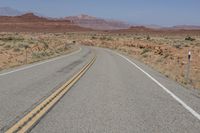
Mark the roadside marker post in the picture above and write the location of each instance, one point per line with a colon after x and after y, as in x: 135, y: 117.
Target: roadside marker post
x: 188, y: 67
x: 26, y: 57
x: 26, y: 54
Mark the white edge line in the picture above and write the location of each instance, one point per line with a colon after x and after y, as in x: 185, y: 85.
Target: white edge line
x: 192, y: 111
x: 40, y: 63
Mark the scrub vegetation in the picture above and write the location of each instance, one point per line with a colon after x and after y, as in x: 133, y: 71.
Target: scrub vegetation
x: 164, y: 52
x: 21, y: 48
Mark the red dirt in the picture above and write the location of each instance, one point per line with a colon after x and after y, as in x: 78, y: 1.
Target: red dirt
x: 32, y: 23
x: 163, y: 31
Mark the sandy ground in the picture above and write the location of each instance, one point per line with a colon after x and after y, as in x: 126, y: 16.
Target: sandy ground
x: 166, y: 53
x: 15, y: 47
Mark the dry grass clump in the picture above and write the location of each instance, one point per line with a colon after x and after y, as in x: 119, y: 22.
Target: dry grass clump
x: 163, y: 52
x: 38, y: 46
x: 167, y: 54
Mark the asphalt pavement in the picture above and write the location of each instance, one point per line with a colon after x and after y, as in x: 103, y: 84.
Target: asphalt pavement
x: 23, y: 88
x: 114, y: 96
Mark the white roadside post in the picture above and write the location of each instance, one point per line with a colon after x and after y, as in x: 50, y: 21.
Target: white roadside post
x: 188, y: 67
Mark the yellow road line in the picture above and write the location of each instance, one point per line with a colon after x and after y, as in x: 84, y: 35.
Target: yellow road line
x: 29, y: 120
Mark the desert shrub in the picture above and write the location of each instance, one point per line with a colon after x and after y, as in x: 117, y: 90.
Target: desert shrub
x: 197, y: 44
x: 146, y: 50
x: 60, y: 50
x: 6, y: 39
x: 2, y: 44
x: 103, y: 38
x: 7, y: 46
x: 26, y: 46
x: 106, y: 38
x: 178, y: 46
x: 166, y: 55
x: 148, y: 37
x: 20, y: 45
x: 186, y: 45
x: 66, y: 46
x: 93, y: 37
x: 141, y: 46
x: 46, y: 46
x: 23, y: 46
x: 109, y: 38
x: 39, y: 54
x: 189, y: 38
x: 144, y: 56
x: 51, y: 53
x: 159, y: 60
x: 16, y: 49
x: 11, y: 39
x: 31, y: 42
x: 44, y: 54
x: 35, y: 55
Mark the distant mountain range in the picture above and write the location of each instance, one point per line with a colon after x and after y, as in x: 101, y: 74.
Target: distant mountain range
x: 81, y: 20
x: 189, y: 27
x: 29, y: 22
x: 91, y: 22
x: 97, y: 23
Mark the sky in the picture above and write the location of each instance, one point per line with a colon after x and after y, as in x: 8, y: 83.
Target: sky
x: 158, y: 12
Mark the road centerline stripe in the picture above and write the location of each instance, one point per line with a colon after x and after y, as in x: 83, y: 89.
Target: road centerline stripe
x: 188, y: 108
x: 31, y: 119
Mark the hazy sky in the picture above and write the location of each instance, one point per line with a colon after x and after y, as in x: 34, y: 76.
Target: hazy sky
x: 160, y: 12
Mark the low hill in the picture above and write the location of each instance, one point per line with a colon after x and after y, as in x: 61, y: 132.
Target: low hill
x: 161, y: 31
x: 188, y: 27
x: 32, y: 23
x: 97, y: 23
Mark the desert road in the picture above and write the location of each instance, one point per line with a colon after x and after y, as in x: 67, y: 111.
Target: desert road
x: 115, y: 94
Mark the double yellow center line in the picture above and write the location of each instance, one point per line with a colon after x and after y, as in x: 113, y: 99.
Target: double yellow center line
x: 29, y: 120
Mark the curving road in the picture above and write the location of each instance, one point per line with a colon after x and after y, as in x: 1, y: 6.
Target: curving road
x: 115, y: 95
